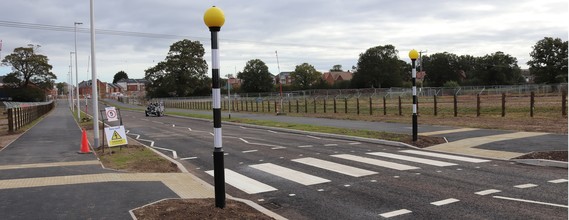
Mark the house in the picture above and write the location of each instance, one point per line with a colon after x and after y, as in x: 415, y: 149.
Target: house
x: 334, y: 77
x: 85, y: 89
x: 284, y: 77
x: 133, y: 87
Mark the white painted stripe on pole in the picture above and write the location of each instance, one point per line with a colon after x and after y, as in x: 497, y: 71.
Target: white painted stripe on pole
x: 414, y: 108
x: 215, y: 59
x: 414, y: 91
x: 524, y: 186
x: 376, y: 162
x: 244, y: 183
x: 216, y: 98
x: 413, y: 159
x: 487, y: 192
x: 217, y: 138
x: 445, y: 202
x: 445, y: 156
x: 290, y: 174
x: 395, y: 213
x: 530, y: 201
x: 248, y: 151
x: 335, y: 167
x: 414, y: 73
x: 558, y: 181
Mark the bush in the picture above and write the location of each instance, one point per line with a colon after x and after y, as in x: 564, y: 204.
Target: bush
x: 28, y: 94
x: 451, y: 84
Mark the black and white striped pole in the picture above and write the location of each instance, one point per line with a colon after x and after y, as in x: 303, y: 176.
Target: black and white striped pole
x: 413, y: 54
x: 214, y: 19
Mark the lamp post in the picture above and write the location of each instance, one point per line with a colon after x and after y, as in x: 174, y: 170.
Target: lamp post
x: 214, y: 19
x: 72, y: 84
x: 413, y: 54
x: 95, y: 92
x: 76, y: 73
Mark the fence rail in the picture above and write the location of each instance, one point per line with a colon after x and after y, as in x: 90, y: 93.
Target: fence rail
x: 20, y: 114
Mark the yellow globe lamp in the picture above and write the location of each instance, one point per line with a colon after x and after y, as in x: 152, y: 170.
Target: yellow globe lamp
x: 413, y: 54
x: 214, y: 17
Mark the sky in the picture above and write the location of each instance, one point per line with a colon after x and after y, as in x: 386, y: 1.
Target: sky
x: 133, y: 36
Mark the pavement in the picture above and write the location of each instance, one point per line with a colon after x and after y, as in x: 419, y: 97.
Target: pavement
x: 488, y: 143
x: 43, y: 177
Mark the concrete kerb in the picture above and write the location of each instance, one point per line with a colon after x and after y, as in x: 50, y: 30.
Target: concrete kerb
x: 541, y: 162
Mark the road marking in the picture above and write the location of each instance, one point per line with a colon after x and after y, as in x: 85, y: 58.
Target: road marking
x: 249, y: 151
x: 274, y: 132
x: 305, y: 146
x: 395, y: 213
x: 244, y: 183
x: 188, y: 158
x: 375, y: 162
x: 290, y: 174
x: 242, y: 127
x: 190, y: 129
x: 335, y: 167
x: 276, y: 148
x: 445, y: 156
x: 530, y: 201
x: 174, y: 154
x: 448, y: 131
x: 558, y: 181
x: 487, y: 192
x: 413, y: 159
x: 330, y: 145
x: 313, y: 137
x: 445, y: 202
x: 173, y: 125
x: 523, y: 186
x: 354, y: 143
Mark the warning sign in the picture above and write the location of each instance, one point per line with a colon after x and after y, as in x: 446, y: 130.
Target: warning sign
x: 116, y: 136
x: 111, y: 113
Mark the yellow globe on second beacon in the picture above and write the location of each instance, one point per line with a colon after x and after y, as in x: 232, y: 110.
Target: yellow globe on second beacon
x: 214, y: 17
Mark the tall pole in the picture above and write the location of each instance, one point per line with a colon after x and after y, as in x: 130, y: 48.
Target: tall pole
x: 77, y: 73
x: 280, y: 82
x: 413, y: 54
x: 95, y: 95
x: 214, y: 19
x: 229, y: 95
x: 72, y: 85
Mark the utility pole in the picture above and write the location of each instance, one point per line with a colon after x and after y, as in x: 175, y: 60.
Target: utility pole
x: 280, y: 85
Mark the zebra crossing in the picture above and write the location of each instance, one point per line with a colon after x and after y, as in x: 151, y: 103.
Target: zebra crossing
x: 252, y: 186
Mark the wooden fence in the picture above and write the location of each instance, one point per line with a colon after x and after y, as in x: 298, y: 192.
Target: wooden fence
x: 23, y: 114
x: 551, y: 104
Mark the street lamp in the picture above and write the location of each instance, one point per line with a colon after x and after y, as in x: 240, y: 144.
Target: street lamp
x: 413, y: 54
x: 76, y: 72
x: 214, y: 19
x: 72, y: 84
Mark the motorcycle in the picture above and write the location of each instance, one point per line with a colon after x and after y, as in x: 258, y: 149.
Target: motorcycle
x: 154, y: 109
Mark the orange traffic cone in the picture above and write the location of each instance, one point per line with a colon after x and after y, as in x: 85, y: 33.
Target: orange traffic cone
x: 84, y: 144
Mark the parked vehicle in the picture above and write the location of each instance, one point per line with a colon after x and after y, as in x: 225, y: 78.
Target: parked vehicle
x: 154, y: 109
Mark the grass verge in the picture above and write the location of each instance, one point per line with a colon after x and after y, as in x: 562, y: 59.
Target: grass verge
x: 135, y: 158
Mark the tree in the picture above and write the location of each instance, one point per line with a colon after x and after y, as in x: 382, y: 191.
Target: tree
x: 28, y: 67
x: 120, y: 75
x: 378, y: 67
x: 256, y: 77
x: 304, y: 76
x: 336, y: 68
x: 498, y: 69
x: 61, y: 88
x: 441, y: 68
x: 549, y: 61
x: 182, y: 73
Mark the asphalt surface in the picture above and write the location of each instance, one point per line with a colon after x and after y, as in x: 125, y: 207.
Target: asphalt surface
x: 276, y: 167
x: 53, y: 141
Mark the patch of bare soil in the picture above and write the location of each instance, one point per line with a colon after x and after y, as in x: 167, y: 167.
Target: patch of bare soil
x: 197, y: 209
x: 547, y: 155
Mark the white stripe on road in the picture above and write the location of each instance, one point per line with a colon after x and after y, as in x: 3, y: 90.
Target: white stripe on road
x: 530, y: 201
x: 354, y: 143
x: 335, y: 167
x: 330, y: 145
x: 290, y: 174
x: 313, y: 137
x: 414, y: 159
x: 249, y: 151
x: 445, y: 202
x: 445, y: 156
x: 188, y: 158
x: 305, y: 146
x: 487, y: 192
x: 395, y: 213
x: 375, y: 162
x: 274, y: 132
x: 244, y: 183
x: 523, y: 186
x: 558, y: 181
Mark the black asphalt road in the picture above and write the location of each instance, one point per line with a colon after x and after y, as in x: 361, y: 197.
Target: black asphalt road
x: 386, y: 193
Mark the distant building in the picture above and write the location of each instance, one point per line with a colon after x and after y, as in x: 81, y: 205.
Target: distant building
x: 234, y: 82
x: 86, y: 89
x: 334, y: 77
x: 133, y: 87
x: 284, y: 78
x: 527, y: 76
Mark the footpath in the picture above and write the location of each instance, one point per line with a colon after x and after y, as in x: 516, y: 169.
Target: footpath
x: 43, y: 177
x: 488, y: 143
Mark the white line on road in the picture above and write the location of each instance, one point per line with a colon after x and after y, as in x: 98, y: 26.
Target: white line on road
x: 445, y: 202
x: 375, y: 162
x: 174, y: 154
x: 279, y: 147
x: 188, y: 158
x: 190, y: 129
x: 302, y: 146
x: 335, y: 167
x: 354, y: 143
x: 558, y: 181
x: 274, y: 132
x: 413, y: 159
x: 330, y: 145
x: 290, y: 174
x: 487, y: 192
x: 173, y: 125
x: 244, y: 183
x: 313, y: 137
x: 249, y: 151
x: 395, y: 213
x: 523, y: 186
x: 530, y: 201
x: 445, y: 156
